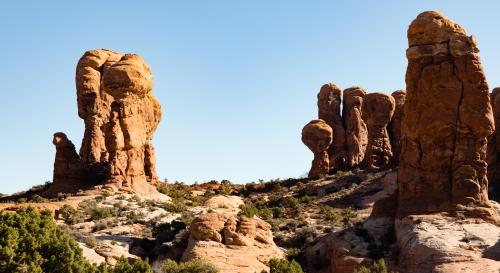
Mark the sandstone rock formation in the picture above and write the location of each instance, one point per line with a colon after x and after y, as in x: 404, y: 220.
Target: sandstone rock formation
x: 68, y: 168
x: 447, y: 119
x: 329, y: 104
x: 120, y: 114
x: 232, y: 243
x: 394, y: 127
x: 317, y: 136
x: 378, y: 109
x: 355, y: 126
x: 494, y: 146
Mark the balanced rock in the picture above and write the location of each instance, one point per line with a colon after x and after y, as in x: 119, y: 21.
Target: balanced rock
x: 329, y: 105
x: 378, y: 109
x: 355, y: 126
x: 317, y: 136
x: 232, y: 243
x: 395, y: 124
x: 447, y: 119
x: 120, y: 115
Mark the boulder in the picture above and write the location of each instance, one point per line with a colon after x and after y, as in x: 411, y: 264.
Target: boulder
x: 234, y: 244
x: 317, y: 136
x: 378, y: 109
x: 355, y: 126
x: 447, y: 119
x: 329, y: 105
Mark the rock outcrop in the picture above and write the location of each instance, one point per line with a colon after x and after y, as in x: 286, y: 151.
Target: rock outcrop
x: 120, y: 114
x: 68, y: 168
x: 494, y: 146
x: 355, y: 126
x: 232, y: 243
x: 329, y: 104
x: 447, y: 119
x: 378, y: 109
x: 394, y: 127
x: 431, y: 243
x: 317, y: 136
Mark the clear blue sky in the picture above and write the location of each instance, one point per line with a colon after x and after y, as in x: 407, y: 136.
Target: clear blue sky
x: 237, y: 79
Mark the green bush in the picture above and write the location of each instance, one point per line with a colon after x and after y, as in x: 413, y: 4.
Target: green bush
x: 177, y: 205
x: 192, y: 266
x: 377, y: 267
x: 31, y: 242
x: 284, y: 266
x: 248, y: 210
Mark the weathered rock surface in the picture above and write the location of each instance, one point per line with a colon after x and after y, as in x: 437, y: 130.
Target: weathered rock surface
x: 120, y: 114
x: 355, y: 126
x: 447, y: 119
x: 329, y: 104
x: 232, y: 243
x: 434, y: 243
x: 494, y: 146
x: 394, y: 126
x: 378, y: 109
x: 317, y: 136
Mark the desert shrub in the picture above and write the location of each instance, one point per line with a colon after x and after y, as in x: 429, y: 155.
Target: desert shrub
x: 70, y: 215
x: 266, y: 214
x: 31, y: 242
x: 248, y: 210
x: 122, y: 266
x: 278, y: 213
x: 284, y: 266
x: 377, y: 267
x: 176, y: 205
x: 22, y: 200
x: 192, y: 266
x: 177, y: 190
x: 89, y: 241
x: 95, y: 211
x: 347, y: 215
x: 225, y: 188
x: 37, y: 199
x: 330, y: 214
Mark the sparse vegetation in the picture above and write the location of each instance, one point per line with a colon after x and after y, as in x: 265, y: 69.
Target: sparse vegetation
x: 377, y: 267
x: 284, y: 266
x: 192, y: 266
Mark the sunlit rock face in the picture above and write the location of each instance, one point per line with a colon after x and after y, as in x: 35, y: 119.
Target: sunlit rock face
x: 120, y: 114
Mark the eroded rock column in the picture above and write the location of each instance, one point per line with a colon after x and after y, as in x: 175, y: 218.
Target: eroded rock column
x: 329, y: 104
x: 378, y: 109
x: 355, y: 126
x: 394, y: 126
x: 447, y: 119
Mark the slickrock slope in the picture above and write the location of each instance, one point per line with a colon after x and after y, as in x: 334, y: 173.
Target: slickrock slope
x: 120, y: 114
x: 447, y: 118
x: 329, y: 104
x: 378, y: 109
x: 317, y: 136
x: 394, y: 127
x: 355, y: 126
x: 232, y: 243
